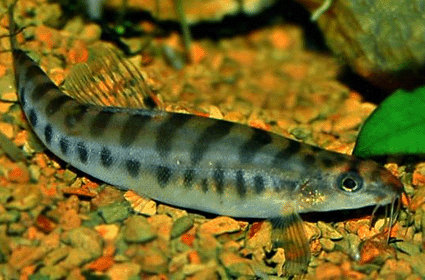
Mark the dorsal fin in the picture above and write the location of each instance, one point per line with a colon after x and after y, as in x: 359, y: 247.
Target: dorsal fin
x: 109, y: 79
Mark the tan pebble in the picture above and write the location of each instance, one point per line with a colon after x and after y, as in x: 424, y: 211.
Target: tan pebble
x: 296, y: 71
x: 215, y: 112
x: 315, y: 247
x: 328, y: 271
x: 379, y: 224
x: 234, y: 116
x: 24, y: 256
x: 259, y: 237
x: 400, y: 267
x: 328, y: 231
x: 7, y: 129
x: 189, y: 269
x: 305, y: 114
x: 336, y: 257
x: 161, y: 224
x: 339, y: 147
x: 235, y: 264
x: 174, y: 212
x: 243, y: 225
x: 417, y: 237
x: 367, y: 108
x: 346, y: 123
x: 121, y: 271
x: 207, y: 273
x: 5, y: 106
x: 232, y: 246
x: 207, y: 246
x: 311, y: 231
x: 242, y: 56
x: 70, y: 220
x: 140, y: 204
x: 108, y: 232
x: 417, y: 200
x: 352, y: 105
x: 91, y: 33
x: 349, y: 273
x: 10, y: 96
x: 323, y: 126
x: 177, y: 262
x: 413, y: 277
x: 35, y: 172
x: 220, y: 225
x: 279, y: 259
x: 153, y: 261
x: 327, y: 244
x: 353, y: 225
x: 286, y: 123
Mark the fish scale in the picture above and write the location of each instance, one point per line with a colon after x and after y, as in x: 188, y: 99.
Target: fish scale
x: 200, y: 163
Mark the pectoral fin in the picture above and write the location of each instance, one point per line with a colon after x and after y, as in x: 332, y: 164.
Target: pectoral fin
x: 288, y: 233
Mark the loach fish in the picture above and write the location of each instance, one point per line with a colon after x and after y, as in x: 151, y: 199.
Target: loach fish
x: 201, y: 163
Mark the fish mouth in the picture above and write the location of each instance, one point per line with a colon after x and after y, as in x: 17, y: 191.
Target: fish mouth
x: 389, y: 180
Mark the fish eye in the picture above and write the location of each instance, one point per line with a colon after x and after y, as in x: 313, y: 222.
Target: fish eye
x: 349, y: 182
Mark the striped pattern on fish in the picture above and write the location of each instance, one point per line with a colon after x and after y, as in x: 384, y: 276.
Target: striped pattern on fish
x: 196, y: 162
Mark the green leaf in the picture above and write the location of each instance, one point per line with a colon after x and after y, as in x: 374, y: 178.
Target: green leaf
x: 396, y: 127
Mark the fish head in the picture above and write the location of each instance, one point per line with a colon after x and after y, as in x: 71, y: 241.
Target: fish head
x: 350, y: 183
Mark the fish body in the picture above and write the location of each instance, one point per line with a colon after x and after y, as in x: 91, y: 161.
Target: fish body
x: 196, y: 162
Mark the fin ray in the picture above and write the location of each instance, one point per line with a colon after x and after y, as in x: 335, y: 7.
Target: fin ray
x: 109, y: 79
x: 288, y: 233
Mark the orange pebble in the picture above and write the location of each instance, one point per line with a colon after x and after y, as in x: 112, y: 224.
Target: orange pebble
x: 281, y: 39
x: 19, y: 175
x: 78, y: 53
x: 6, y: 129
x: 2, y: 70
x: 418, y: 179
x: 21, y: 138
x: 194, y: 257
x: 109, y: 250
x: 32, y: 233
x: 102, y: 263
x: 197, y: 53
x: 44, y: 34
x: 328, y: 271
x: 187, y: 239
x: 91, y: 185
x: 365, y: 231
x: 51, y: 190
x: 45, y: 224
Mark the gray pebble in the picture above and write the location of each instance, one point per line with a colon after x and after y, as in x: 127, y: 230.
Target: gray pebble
x: 115, y: 212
